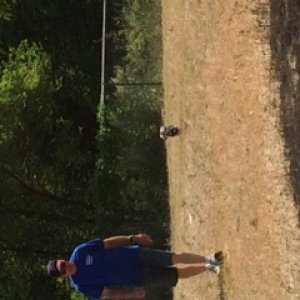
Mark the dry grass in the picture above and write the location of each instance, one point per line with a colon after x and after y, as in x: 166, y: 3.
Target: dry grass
x: 229, y: 187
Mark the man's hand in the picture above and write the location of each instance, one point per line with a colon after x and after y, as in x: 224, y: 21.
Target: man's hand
x: 142, y: 239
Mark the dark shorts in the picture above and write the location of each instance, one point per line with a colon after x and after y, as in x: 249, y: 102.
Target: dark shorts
x: 157, y: 268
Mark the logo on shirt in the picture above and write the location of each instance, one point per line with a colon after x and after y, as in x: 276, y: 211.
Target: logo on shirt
x: 89, y: 260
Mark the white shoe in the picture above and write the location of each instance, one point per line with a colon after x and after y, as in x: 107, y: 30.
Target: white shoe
x: 213, y: 268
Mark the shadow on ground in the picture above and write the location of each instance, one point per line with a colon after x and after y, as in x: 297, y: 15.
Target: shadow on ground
x: 285, y: 54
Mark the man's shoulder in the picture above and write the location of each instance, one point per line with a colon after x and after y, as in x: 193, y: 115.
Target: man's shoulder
x: 92, y: 243
x: 77, y: 250
x: 95, y: 245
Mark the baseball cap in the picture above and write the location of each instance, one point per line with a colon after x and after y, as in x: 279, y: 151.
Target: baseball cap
x: 52, y: 269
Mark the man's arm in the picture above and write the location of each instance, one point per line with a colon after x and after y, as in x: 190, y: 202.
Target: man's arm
x: 124, y: 240
x: 138, y: 293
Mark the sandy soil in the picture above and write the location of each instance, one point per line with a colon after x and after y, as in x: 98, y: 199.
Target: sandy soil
x: 230, y: 187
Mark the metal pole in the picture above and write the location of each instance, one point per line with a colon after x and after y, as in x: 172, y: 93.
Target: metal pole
x: 102, y: 94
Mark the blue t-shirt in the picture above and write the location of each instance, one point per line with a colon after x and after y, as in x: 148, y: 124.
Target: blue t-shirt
x: 98, y: 268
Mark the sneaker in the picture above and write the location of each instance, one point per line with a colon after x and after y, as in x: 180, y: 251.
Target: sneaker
x: 216, y: 259
x: 213, y: 268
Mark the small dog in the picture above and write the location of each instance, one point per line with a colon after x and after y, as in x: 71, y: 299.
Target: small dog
x: 168, y: 131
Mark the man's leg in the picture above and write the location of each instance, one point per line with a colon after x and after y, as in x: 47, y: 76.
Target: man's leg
x: 154, y: 257
x: 188, y: 258
x: 168, y: 276
x: 192, y: 270
x: 189, y: 271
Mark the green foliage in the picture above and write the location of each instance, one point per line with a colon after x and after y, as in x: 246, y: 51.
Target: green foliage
x: 48, y: 91
x: 77, y: 296
x: 60, y: 183
x: 142, y: 30
x: 35, y: 127
x: 5, y: 9
x: 12, y: 279
x: 24, y: 72
x: 131, y: 173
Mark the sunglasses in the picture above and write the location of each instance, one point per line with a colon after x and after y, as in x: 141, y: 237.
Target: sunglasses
x: 57, y: 268
x: 61, y: 267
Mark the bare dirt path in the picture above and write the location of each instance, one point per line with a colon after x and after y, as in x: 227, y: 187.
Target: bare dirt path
x: 229, y: 187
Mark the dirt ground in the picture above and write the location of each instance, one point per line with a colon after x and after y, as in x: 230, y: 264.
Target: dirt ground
x: 229, y: 172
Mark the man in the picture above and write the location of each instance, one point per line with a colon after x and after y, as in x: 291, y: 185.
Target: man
x: 118, y: 267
